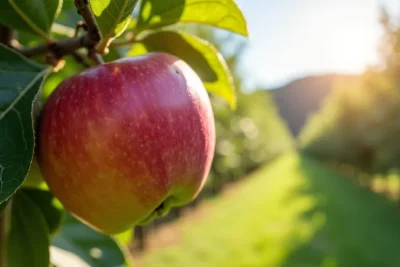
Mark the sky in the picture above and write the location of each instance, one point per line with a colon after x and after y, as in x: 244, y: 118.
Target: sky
x: 294, y: 38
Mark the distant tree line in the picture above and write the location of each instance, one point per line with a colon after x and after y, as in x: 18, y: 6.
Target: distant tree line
x: 359, y: 123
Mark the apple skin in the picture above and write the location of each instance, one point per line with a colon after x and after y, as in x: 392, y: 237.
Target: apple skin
x: 123, y: 142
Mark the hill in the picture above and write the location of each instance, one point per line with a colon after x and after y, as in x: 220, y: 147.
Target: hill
x: 293, y: 212
x: 300, y: 98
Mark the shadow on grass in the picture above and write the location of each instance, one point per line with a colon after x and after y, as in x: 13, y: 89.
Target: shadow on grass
x: 347, y: 226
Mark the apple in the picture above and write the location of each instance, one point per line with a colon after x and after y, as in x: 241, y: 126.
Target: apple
x: 123, y: 142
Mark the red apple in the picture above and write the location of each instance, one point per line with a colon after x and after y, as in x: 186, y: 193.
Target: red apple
x: 123, y: 142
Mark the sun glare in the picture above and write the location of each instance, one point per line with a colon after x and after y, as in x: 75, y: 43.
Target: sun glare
x: 297, y: 38
x: 348, y: 49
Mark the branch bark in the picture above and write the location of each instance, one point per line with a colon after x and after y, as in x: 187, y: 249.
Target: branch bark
x: 59, y: 48
x: 83, y: 8
x: 96, y: 57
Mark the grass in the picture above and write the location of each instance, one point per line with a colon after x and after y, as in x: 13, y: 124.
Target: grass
x: 292, y: 213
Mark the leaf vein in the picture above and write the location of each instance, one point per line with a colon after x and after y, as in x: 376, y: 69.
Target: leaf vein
x: 23, y: 92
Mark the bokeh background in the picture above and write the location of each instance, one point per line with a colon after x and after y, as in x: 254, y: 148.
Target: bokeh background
x: 306, y: 169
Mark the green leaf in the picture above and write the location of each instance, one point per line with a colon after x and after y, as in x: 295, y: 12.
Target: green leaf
x: 224, y: 14
x: 68, y: 15
x: 96, y: 249
x: 112, y: 17
x: 35, y: 16
x: 10, y: 18
x: 20, y: 81
x: 50, y: 208
x: 28, y: 238
x: 201, y: 55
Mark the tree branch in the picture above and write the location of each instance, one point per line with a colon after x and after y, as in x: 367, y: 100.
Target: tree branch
x: 68, y: 46
x: 59, y: 48
x: 80, y: 25
x: 83, y: 8
x: 95, y: 57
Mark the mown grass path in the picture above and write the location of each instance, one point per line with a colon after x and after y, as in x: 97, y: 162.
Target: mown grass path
x: 292, y: 213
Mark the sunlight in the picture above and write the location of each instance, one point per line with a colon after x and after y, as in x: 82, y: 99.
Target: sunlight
x: 347, y: 48
x: 293, y: 39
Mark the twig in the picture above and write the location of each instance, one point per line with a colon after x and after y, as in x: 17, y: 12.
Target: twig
x: 68, y: 46
x: 95, y: 56
x: 80, y: 25
x: 60, y: 47
x: 84, y: 10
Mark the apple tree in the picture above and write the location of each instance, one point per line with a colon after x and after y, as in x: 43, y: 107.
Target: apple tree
x: 63, y: 61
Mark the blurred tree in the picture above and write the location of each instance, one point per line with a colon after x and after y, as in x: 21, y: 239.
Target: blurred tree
x: 250, y: 135
x: 360, y: 122
x: 389, y: 46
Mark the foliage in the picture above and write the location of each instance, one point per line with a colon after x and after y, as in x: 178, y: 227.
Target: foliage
x: 247, y: 137
x: 123, y: 26
x: 298, y: 213
x: 251, y: 134
x: 20, y: 82
x: 302, y: 97
x: 359, y: 123
x: 94, y: 248
x: 35, y: 17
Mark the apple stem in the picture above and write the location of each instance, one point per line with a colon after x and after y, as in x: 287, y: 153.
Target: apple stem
x: 95, y: 56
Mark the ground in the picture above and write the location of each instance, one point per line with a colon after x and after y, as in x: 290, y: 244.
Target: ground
x: 292, y: 213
